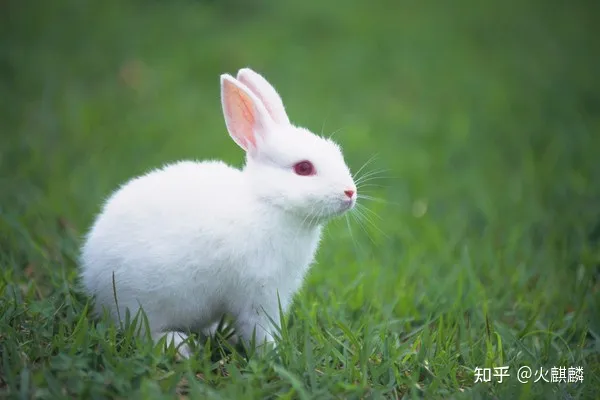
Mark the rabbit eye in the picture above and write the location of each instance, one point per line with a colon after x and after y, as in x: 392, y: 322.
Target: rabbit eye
x: 304, y: 168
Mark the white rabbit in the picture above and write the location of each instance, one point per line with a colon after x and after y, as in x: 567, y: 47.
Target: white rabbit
x: 193, y: 241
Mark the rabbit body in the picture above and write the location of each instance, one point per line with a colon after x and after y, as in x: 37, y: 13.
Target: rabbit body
x: 189, y: 258
x: 192, y: 241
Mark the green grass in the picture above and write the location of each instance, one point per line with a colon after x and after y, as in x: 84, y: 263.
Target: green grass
x: 486, y: 116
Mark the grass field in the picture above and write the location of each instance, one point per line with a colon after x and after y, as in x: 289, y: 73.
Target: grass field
x: 485, y: 248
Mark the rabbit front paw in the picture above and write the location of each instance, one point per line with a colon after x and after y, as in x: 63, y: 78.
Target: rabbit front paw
x: 177, y: 339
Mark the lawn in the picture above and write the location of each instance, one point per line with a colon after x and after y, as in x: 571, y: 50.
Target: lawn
x: 481, y: 246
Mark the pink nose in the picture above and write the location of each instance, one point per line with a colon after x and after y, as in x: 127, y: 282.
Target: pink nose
x: 349, y: 193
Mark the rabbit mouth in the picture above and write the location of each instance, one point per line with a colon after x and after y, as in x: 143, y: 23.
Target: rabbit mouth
x: 344, y: 207
x: 325, y: 212
x: 347, y: 205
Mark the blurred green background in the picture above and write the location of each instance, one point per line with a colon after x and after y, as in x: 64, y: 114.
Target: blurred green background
x: 485, y: 116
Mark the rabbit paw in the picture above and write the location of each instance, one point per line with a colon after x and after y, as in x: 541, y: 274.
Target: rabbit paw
x: 176, y: 339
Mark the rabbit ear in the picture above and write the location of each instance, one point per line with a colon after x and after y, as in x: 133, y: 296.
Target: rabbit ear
x: 267, y: 93
x: 245, y: 115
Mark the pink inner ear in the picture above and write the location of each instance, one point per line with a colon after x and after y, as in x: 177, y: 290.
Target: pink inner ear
x: 241, y: 116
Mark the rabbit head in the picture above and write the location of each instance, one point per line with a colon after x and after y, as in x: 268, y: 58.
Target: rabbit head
x: 289, y: 166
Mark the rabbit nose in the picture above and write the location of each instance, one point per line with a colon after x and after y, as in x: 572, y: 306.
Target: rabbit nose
x: 349, y: 193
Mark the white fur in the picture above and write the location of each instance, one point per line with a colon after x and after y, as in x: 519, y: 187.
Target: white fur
x: 193, y: 241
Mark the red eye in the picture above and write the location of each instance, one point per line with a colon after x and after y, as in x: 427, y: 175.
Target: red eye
x: 304, y: 168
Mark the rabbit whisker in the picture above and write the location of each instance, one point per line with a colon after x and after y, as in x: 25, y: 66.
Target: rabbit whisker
x: 347, y: 218
x: 300, y: 227
x: 371, y: 212
x: 357, y: 173
x: 371, y: 175
x: 359, y: 219
x: 377, y: 199
x: 364, y: 185
x: 334, y: 132
x: 371, y: 179
x: 371, y: 172
x: 362, y: 211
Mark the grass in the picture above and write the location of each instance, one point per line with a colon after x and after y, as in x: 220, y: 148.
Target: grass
x: 486, y: 116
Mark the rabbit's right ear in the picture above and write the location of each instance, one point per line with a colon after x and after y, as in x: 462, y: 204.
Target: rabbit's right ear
x: 266, y: 93
x: 245, y: 115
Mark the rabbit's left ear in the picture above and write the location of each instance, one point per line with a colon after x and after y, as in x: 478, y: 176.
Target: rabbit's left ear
x: 266, y: 93
x: 245, y: 115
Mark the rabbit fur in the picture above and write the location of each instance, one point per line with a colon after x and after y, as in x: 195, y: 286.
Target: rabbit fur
x: 194, y: 240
